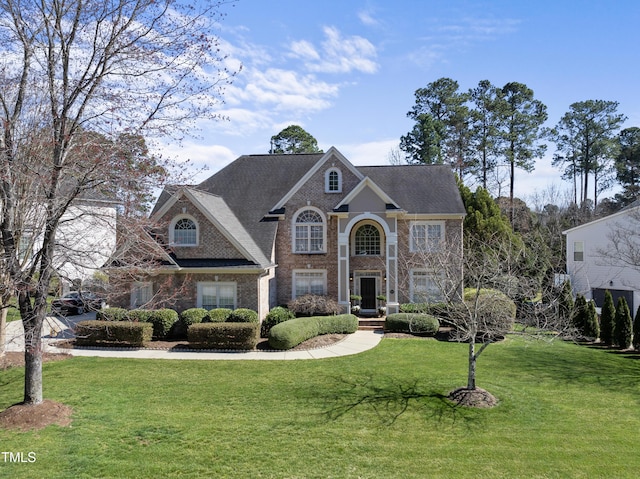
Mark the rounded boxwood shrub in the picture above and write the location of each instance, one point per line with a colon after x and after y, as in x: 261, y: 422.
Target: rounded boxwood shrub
x: 162, y: 321
x: 277, y: 315
x: 290, y: 333
x: 243, y: 315
x: 412, y: 323
x: 186, y: 319
x: 218, y: 315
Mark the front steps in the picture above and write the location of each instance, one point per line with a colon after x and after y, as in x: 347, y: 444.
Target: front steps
x: 371, y: 324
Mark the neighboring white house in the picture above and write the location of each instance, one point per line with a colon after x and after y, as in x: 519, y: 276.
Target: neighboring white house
x: 605, y: 255
x: 86, y: 240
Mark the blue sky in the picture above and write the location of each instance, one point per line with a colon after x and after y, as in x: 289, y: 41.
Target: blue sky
x: 347, y: 70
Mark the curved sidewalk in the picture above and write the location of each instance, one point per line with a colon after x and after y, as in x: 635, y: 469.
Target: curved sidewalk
x: 352, y: 344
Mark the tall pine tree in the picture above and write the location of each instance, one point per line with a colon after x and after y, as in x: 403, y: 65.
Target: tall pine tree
x: 622, y: 327
x: 607, y: 318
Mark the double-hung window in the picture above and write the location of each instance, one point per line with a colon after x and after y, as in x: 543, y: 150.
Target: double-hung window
x: 309, y: 282
x: 309, y: 233
x: 426, y: 236
x: 141, y: 294
x: 212, y: 295
x: 424, y: 287
x: 578, y: 251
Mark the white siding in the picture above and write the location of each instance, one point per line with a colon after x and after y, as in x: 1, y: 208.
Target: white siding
x: 596, y: 270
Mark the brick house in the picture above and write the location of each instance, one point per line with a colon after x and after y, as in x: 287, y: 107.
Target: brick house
x: 268, y: 228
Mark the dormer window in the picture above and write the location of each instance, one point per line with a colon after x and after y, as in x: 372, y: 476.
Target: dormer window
x: 333, y: 181
x: 183, y: 232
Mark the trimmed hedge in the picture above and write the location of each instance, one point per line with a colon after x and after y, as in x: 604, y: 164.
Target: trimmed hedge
x: 186, y: 319
x: 218, y: 315
x: 239, y: 336
x: 112, y: 314
x: 277, y: 315
x: 92, y: 333
x: 243, y: 315
x: 290, y: 333
x: 412, y: 323
x: 434, y: 309
x: 161, y: 319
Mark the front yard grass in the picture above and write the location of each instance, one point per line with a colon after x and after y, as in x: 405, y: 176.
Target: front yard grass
x: 565, y: 411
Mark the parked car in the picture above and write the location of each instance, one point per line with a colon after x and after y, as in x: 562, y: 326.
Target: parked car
x: 77, y: 302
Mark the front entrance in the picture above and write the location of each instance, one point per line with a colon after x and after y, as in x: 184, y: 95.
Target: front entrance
x: 368, y: 293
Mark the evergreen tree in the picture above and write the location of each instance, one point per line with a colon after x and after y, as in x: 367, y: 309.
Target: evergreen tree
x: 566, y: 306
x: 578, y: 312
x: 592, y: 327
x: 636, y: 331
x: 293, y: 139
x: 607, y: 318
x: 622, y: 326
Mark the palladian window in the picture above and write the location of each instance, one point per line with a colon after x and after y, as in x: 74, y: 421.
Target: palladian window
x: 309, y: 235
x: 185, y: 232
x: 367, y: 240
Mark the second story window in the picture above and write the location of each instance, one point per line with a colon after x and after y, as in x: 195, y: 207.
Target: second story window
x: 367, y: 240
x: 185, y: 232
x: 333, y: 181
x: 309, y: 233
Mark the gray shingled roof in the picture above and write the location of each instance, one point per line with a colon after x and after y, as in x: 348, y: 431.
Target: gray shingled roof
x: 426, y: 189
x: 230, y: 223
x: 253, y: 184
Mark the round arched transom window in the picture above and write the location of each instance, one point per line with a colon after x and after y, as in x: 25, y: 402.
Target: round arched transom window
x: 367, y: 240
x: 185, y: 232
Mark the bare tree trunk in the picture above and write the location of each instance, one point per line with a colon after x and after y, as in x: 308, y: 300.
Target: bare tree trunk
x: 3, y: 330
x: 471, y: 378
x: 32, y: 324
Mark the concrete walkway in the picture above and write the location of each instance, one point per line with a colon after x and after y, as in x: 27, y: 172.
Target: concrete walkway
x: 56, y: 330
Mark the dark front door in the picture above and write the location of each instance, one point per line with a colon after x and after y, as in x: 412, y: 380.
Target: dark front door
x: 368, y: 293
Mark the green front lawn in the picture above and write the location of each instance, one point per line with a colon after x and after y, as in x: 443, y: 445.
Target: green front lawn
x: 565, y: 411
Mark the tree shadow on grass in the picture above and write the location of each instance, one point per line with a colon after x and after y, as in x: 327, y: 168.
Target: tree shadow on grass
x: 390, y: 398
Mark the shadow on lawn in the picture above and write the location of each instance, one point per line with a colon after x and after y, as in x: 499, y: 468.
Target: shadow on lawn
x: 390, y: 398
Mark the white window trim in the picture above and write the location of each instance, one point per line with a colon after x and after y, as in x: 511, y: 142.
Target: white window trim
x: 217, y: 284
x: 138, y: 286
x: 352, y: 240
x: 412, y: 245
x: 412, y: 285
x: 327, y: 174
x: 324, y: 230
x: 172, y: 231
x: 296, y: 272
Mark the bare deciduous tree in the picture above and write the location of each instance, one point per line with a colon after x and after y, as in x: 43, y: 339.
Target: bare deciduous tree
x: 73, y: 76
x: 480, y: 306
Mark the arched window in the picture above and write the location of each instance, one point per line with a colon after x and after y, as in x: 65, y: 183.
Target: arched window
x: 367, y: 240
x: 185, y: 232
x: 333, y: 181
x: 309, y: 235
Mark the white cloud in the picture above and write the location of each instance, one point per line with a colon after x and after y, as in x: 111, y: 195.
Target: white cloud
x: 338, y: 54
x: 203, y: 160
x: 304, y: 49
x: 367, y: 18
